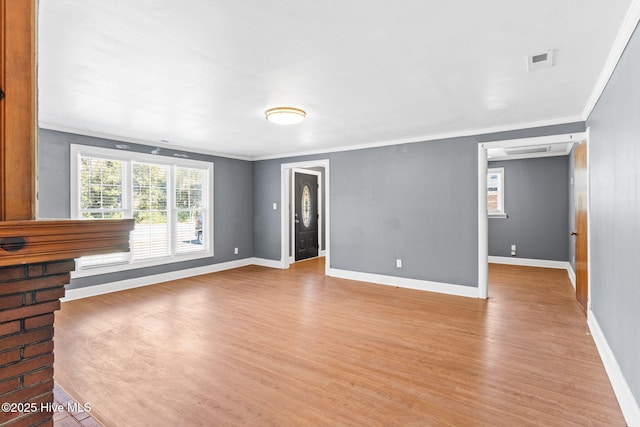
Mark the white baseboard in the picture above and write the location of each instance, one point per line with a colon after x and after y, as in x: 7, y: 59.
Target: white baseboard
x: 322, y: 253
x: 628, y: 404
x: 90, y: 291
x: 572, y: 275
x: 267, y: 263
x: 530, y: 262
x: 402, y: 282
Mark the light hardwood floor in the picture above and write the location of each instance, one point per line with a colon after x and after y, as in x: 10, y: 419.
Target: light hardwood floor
x: 263, y: 347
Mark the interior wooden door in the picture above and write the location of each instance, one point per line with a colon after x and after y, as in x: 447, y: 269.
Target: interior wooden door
x: 580, y: 233
x: 306, y: 216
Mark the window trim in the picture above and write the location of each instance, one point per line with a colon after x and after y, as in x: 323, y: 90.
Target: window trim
x: 77, y: 150
x: 501, y: 212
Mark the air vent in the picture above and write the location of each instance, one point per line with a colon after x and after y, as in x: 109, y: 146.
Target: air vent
x: 540, y: 61
x: 527, y: 150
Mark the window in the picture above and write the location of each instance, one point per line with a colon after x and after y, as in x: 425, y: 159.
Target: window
x: 169, y: 199
x: 495, y: 192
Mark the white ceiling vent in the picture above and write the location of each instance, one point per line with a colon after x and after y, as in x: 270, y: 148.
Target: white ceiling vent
x: 540, y: 61
x: 527, y: 150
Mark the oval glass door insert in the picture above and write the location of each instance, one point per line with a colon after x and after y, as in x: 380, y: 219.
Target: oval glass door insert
x: 306, y: 205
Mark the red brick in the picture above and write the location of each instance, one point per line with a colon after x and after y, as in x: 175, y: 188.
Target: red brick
x: 38, y: 321
x: 11, y: 301
x: 6, y: 417
x: 35, y: 270
x: 40, y: 419
x: 31, y: 419
x: 10, y: 356
x: 37, y: 377
x: 31, y: 337
x: 26, y: 366
x: 60, y: 267
x: 27, y: 393
x: 37, y: 349
x: 29, y: 311
x: 34, y: 284
x: 44, y: 401
x: 9, y: 327
x: 8, y: 385
x: 50, y: 294
x: 12, y: 273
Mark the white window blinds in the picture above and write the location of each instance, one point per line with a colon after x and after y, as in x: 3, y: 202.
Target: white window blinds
x: 169, y: 202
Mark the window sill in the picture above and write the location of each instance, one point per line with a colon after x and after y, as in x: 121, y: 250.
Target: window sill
x: 116, y: 268
x: 501, y: 216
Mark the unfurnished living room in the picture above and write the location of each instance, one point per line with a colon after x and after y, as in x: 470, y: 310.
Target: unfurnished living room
x: 306, y: 213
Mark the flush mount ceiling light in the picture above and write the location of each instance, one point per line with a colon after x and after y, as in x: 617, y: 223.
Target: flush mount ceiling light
x: 285, y: 115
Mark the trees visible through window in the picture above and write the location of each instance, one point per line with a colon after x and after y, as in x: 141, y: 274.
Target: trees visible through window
x: 169, y: 201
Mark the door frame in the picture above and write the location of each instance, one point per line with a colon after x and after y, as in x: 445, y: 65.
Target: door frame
x: 585, y: 138
x: 285, y: 202
x: 293, y: 209
x: 483, y: 218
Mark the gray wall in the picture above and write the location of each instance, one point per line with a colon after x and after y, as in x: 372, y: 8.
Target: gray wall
x: 614, y: 156
x: 537, y: 205
x: 233, y: 201
x: 415, y: 201
x: 383, y: 203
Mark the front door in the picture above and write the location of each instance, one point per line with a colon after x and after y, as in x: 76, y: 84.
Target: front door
x: 580, y: 233
x: 306, y: 215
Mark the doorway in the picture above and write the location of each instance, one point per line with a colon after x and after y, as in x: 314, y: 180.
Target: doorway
x: 520, y: 148
x: 320, y: 168
x: 306, y: 208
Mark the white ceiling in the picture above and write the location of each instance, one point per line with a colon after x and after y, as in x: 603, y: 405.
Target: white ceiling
x: 201, y: 73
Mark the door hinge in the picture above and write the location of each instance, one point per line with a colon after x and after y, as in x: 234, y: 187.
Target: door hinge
x: 1, y: 94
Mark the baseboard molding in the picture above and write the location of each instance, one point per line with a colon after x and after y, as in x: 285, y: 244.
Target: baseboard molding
x: 628, y: 404
x: 323, y: 253
x: 402, y: 282
x: 572, y: 275
x: 90, y: 291
x: 267, y: 263
x: 530, y: 262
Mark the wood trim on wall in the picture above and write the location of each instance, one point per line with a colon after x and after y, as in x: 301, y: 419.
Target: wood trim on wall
x: 18, y: 110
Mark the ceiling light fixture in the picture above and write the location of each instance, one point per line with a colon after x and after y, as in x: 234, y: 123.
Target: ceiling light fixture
x: 285, y: 115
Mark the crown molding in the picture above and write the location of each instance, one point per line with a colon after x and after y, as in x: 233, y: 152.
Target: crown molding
x: 619, y: 45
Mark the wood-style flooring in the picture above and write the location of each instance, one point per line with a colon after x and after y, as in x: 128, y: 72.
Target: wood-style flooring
x: 263, y: 347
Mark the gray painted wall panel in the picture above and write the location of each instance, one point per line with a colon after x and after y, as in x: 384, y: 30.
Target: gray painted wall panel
x: 233, y: 201
x: 384, y: 202
x: 415, y: 201
x: 614, y: 155
x: 537, y: 203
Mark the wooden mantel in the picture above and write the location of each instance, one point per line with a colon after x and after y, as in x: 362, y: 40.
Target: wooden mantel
x: 27, y: 242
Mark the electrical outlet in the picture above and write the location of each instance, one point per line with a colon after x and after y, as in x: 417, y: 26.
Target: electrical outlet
x: 275, y: 206
x: 398, y: 263
x: 235, y: 251
x: 513, y: 247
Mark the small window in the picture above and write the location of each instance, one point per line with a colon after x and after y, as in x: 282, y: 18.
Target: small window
x: 495, y: 192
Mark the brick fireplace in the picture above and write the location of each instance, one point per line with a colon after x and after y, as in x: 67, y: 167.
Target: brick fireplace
x: 36, y: 259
